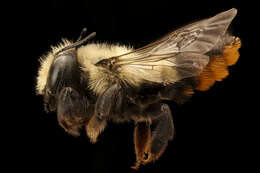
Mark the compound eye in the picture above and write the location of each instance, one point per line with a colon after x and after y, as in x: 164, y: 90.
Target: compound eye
x: 63, y: 71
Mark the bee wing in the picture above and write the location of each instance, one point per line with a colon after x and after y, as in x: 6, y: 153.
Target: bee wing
x: 177, y: 55
x: 169, y: 70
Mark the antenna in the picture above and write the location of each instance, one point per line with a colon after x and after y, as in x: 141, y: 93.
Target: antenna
x: 79, y: 42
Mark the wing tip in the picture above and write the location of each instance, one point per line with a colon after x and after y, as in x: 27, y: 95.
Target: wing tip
x: 231, y: 13
x: 232, y: 10
x: 228, y: 15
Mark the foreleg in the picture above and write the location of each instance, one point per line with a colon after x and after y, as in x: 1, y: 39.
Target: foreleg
x: 72, y: 110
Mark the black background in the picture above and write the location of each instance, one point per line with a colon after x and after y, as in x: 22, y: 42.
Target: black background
x: 210, y: 133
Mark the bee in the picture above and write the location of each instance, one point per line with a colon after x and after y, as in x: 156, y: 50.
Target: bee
x: 89, y: 84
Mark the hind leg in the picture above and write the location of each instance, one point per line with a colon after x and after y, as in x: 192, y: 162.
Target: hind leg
x: 150, y: 148
x: 142, y: 139
x: 162, y: 130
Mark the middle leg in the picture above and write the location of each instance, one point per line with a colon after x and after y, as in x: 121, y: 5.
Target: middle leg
x: 107, y: 104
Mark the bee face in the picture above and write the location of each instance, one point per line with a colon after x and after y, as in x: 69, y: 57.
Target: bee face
x: 58, y: 77
x: 63, y: 72
x: 64, y: 93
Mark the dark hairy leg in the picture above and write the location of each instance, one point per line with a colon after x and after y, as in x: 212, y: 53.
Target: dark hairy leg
x: 142, y: 138
x: 107, y: 104
x: 72, y: 110
x: 162, y: 131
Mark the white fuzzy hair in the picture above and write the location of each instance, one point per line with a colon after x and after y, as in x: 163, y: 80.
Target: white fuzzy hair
x: 99, y: 78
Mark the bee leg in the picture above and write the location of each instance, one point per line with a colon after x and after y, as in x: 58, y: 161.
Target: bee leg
x: 71, y: 110
x: 142, y: 138
x: 162, y: 129
x: 107, y: 104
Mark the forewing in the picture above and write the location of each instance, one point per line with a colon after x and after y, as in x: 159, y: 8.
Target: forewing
x: 169, y: 70
x: 179, y: 54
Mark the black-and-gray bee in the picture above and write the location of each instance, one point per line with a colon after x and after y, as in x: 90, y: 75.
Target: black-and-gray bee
x: 90, y: 84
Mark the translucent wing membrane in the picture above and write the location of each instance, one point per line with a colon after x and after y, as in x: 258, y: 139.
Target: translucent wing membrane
x: 169, y: 70
x: 177, y: 55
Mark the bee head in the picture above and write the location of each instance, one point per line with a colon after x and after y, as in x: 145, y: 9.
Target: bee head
x: 64, y: 72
